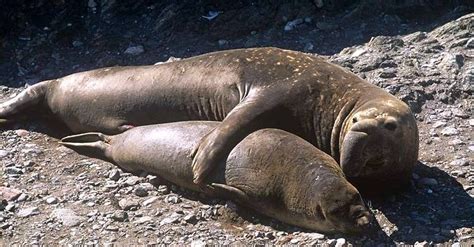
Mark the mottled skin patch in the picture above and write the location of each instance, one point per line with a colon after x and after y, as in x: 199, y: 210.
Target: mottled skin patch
x: 273, y: 171
x: 246, y: 89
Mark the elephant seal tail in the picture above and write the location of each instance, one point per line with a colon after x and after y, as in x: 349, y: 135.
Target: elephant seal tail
x: 91, y: 144
x: 31, y: 96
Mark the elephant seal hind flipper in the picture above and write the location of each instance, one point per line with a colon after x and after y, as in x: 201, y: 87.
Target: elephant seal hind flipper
x: 31, y: 96
x: 92, y: 144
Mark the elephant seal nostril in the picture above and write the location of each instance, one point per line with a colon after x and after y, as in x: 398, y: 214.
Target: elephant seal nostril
x: 390, y: 126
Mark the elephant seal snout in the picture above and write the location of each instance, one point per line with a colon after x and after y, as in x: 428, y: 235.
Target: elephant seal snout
x: 273, y: 171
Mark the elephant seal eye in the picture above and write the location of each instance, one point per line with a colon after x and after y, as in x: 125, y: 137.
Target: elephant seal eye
x: 390, y: 126
x: 354, y: 120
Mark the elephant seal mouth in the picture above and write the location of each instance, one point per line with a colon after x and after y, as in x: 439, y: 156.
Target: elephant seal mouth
x: 375, y: 163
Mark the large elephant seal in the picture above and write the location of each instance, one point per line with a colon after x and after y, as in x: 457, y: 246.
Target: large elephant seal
x: 273, y: 171
x: 371, y: 133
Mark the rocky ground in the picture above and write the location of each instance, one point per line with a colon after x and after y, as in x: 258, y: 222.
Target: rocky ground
x: 50, y: 195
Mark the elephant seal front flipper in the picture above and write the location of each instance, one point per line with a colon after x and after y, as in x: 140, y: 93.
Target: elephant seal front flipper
x: 245, y: 118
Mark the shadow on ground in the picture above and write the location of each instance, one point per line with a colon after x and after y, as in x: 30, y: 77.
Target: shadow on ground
x: 428, y: 213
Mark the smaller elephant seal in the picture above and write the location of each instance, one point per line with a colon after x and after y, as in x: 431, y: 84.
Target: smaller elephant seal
x: 273, y: 171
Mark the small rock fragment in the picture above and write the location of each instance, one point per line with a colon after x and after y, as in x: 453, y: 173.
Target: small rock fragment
x: 26, y: 212
x: 129, y: 204
x: 119, y: 216
x: 422, y: 244
x: 51, y: 200
x: 67, y: 217
x: 143, y: 219
x: 150, y: 201
x: 449, y: 131
x: 190, y: 218
x: 114, y: 174
x: 292, y: 24
x: 3, y: 153
x: 135, y: 50
x: 9, y: 194
x: 341, y: 242
x: 428, y: 181
x: 173, y: 218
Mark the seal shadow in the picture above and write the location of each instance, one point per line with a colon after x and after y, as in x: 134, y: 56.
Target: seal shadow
x: 41, y: 124
x: 427, y: 213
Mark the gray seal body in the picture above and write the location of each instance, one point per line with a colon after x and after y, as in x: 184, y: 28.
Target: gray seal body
x: 272, y: 171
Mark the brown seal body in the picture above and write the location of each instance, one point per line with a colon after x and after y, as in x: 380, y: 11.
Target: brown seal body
x: 273, y: 171
x: 246, y: 89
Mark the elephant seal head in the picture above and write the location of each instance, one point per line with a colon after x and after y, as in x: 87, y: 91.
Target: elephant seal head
x: 379, y: 143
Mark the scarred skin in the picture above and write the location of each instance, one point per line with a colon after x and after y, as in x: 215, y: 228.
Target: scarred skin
x: 272, y: 171
x: 246, y: 89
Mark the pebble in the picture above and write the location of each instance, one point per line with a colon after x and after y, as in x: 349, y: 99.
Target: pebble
x: 198, y: 243
x: 3, y: 153
x: 130, y: 181
x: 428, y: 181
x: 114, y: 175
x: 9, y: 194
x: 13, y: 170
x: 438, y: 124
x: 470, y: 43
x: 135, y: 50
x: 449, y: 131
x: 458, y: 173
x: 388, y: 73
x: 10, y: 207
x: 143, y: 219
x: 341, y: 242
x: 21, y: 132
x: 67, y: 217
x: 140, y: 191
x: 112, y: 228
x: 460, y: 162
x: 51, y: 200
x: 149, y: 201
x: 119, y: 216
x: 422, y: 244
x: 294, y: 241
x: 292, y: 24
x: 316, y: 235
x: 222, y: 42
x: 129, y: 204
x: 22, y: 197
x: 172, y: 218
x: 331, y: 242
x: 174, y: 199
x: 23, y: 213
x: 190, y: 218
